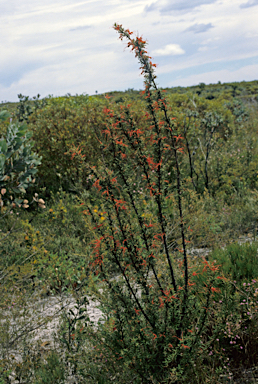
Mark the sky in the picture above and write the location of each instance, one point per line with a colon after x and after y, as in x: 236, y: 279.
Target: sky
x: 56, y: 47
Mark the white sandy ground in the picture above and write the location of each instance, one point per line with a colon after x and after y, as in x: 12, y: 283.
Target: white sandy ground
x: 43, y: 318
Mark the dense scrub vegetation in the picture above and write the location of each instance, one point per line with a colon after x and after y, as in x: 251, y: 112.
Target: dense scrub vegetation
x: 136, y: 199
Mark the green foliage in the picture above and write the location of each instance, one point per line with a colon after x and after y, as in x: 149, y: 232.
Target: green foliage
x: 48, y: 246
x: 63, y: 137
x: 4, y: 115
x: 238, y: 261
x: 52, y: 372
x: 59, y: 273
x: 64, y: 226
x: 27, y: 107
x: 18, y: 164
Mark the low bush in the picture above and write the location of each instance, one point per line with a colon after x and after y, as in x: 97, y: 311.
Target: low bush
x: 62, y: 134
x: 238, y: 261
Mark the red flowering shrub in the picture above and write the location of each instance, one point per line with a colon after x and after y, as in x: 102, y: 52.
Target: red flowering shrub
x: 155, y: 309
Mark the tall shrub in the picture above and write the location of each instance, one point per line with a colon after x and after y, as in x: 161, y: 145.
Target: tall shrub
x: 155, y: 308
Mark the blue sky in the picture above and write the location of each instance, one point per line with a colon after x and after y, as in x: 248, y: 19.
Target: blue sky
x: 57, y: 47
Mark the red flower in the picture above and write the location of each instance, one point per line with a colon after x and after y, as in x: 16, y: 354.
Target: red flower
x: 161, y: 302
x: 215, y: 289
x: 96, y: 184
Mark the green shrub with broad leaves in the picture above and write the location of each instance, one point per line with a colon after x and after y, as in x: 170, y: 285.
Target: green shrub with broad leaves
x: 18, y: 163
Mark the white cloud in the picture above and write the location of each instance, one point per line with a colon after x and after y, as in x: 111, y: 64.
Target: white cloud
x: 246, y: 73
x: 199, y: 28
x: 250, y: 3
x: 169, y: 50
x: 203, y: 48
x: 167, y: 6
